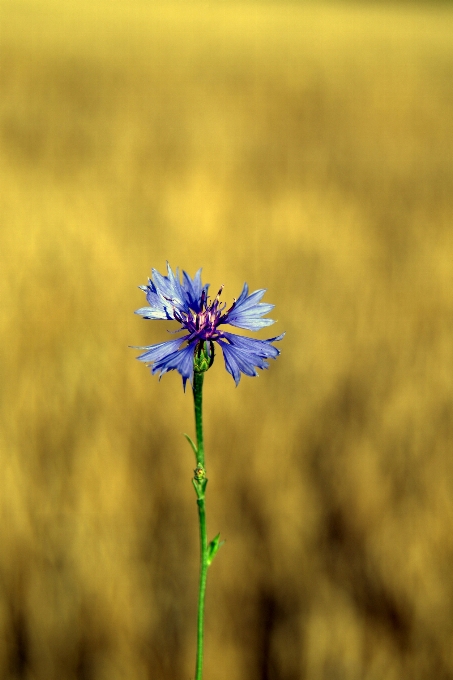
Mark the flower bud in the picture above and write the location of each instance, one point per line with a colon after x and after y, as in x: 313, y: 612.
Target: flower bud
x: 203, y: 357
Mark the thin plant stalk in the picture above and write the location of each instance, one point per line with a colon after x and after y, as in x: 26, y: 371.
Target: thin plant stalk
x: 200, y: 486
x: 204, y: 357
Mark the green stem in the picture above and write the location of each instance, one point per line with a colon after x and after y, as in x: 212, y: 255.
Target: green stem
x: 198, y: 403
x: 200, y: 486
x: 202, y: 587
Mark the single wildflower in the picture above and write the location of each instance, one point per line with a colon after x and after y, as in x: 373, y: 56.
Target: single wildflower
x: 187, y: 302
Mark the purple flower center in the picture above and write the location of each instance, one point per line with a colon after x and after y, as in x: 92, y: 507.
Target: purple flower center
x: 202, y: 325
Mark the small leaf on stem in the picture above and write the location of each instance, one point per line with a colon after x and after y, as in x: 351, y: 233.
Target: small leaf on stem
x: 214, y: 547
x: 194, y: 448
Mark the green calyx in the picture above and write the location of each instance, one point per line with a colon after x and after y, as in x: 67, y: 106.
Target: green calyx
x: 200, y: 487
x: 203, y: 357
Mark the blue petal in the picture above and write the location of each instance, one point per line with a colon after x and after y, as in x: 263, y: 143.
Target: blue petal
x: 167, y: 295
x: 160, y: 307
x: 181, y: 361
x: 193, y: 289
x: 160, y: 351
x: 248, y: 310
x: 169, y: 291
x: 244, y: 355
x: 167, y: 356
x: 152, y: 313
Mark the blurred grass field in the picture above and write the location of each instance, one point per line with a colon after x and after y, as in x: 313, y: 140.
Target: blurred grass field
x: 303, y: 148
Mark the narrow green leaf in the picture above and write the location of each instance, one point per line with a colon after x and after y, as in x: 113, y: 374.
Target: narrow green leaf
x: 214, y: 547
x: 194, y: 448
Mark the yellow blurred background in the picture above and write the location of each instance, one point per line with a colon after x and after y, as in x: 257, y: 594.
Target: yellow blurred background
x: 303, y: 148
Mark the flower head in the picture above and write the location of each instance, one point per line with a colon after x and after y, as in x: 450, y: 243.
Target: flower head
x: 188, y: 303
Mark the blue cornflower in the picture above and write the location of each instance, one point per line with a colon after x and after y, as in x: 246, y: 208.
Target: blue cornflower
x: 188, y: 303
